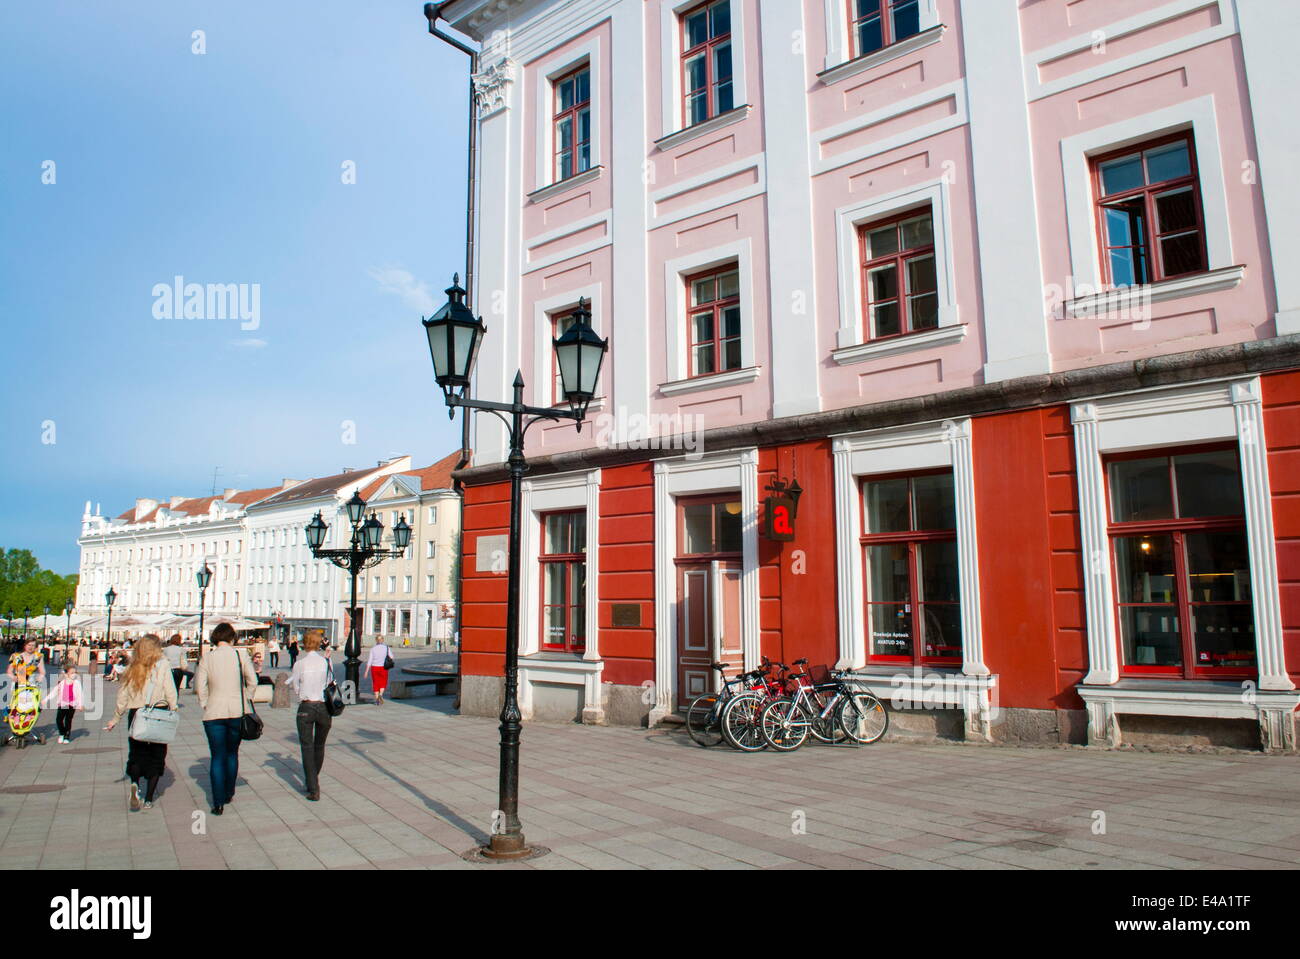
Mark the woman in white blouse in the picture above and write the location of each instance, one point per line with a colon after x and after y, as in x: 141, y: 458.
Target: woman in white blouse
x: 309, y: 677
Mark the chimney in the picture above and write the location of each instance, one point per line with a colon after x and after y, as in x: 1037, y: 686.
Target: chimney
x: 143, y: 506
x: 228, y: 493
x: 289, y: 484
x: 176, y: 501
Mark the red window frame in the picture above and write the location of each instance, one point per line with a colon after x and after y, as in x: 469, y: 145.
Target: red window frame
x: 710, y: 499
x: 572, y: 642
x: 885, y: 12
x: 718, y: 306
x: 1156, y: 271
x: 711, y: 83
x: 912, y: 539
x: 573, y: 114
x: 900, y: 258
x: 1176, y: 528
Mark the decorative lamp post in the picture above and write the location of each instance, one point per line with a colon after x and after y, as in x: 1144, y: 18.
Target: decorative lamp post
x: 45, y: 623
x: 203, y: 577
x: 363, y: 551
x: 109, y: 599
x: 67, y: 632
x: 454, y: 335
x: 27, y: 612
x: 9, y: 622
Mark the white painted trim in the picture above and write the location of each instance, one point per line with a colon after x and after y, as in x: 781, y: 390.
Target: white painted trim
x: 563, y: 186
x: 897, y: 345
x: 712, y: 382
x: 1274, y: 711
x: 1037, y: 89
x: 848, y: 219
x: 914, y: 447
x: 569, y: 229
x: 546, y: 72
x: 734, y: 470
x: 837, y: 36
x: 758, y: 188
x: 563, y: 672
x: 851, y: 68
x: 674, y: 140
x: 675, y: 272
x: 1134, y: 299
x: 955, y: 91
x: 670, y: 58
x: 542, y: 354
x: 1204, y: 412
x: 1080, y: 211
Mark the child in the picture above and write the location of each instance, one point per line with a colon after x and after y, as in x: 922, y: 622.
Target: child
x: 68, y: 699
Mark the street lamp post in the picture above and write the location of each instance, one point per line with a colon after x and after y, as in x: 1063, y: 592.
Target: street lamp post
x: 363, y: 551
x: 9, y: 622
x: 109, y: 599
x: 203, y: 577
x: 67, y: 632
x: 45, y: 623
x: 27, y: 612
x: 454, y: 334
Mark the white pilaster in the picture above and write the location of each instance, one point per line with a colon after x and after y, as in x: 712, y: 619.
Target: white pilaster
x: 848, y: 561
x: 749, y: 606
x: 665, y: 601
x: 963, y: 481
x: 1103, y: 656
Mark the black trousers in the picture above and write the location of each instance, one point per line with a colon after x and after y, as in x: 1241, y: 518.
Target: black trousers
x: 63, y: 719
x: 313, y: 729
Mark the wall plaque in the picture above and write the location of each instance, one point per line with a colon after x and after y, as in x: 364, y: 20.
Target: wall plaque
x: 491, y: 555
x: 627, y: 614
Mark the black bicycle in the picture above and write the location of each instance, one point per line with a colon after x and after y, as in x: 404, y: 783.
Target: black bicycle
x: 704, y: 716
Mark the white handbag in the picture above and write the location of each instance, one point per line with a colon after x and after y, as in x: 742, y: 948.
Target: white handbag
x: 154, y: 724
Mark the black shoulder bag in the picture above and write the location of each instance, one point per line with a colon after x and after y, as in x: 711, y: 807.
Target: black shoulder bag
x: 333, y: 697
x: 250, y: 724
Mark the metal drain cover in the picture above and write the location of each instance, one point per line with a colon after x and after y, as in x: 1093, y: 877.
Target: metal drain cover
x: 27, y: 790
x: 90, y: 750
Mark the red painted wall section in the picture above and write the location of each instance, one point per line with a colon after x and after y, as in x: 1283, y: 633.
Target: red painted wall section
x: 1025, y: 556
x: 627, y: 562
x: 483, y: 593
x: 1282, y: 434
x: 1066, y: 545
x: 797, y: 596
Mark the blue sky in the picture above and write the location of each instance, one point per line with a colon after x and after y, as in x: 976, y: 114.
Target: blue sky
x: 224, y: 167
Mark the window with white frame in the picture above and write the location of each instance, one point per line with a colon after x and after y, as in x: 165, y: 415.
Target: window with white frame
x: 706, y: 62
x: 429, y: 547
x: 571, y: 123
x: 899, y: 280
x: 875, y: 24
x: 713, y: 330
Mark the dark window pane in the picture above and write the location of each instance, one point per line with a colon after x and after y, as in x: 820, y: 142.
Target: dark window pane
x: 1144, y: 569
x: 934, y: 503
x: 869, y: 38
x: 921, y: 275
x: 720, y: 17
x: 1176, y: 210
x: 1225, y: 636
x: 924, y: 311
x: 887, y: 576
x: 1218, y: 567
x: 584, y: 158
x: 584, y: 125
x: 697, y: 109
x: 696, y: 73
x: 863, y: 8
x: 726, y: 98
x: 564, y: 94
x: 936, y: 574
x: 886, y: 505
x: 891, y: 630
x: 564, y: 133
x: 1182, y: 254
x: 1139, y: 490
x: 582, y: 87
x: 722, y: 63
x: 1168, y: 162
x: 704, y: 360
x: 907, y: 18
x: 731, y: 355
x: 941, y: 630
x: 728, y: 285
x: 1121, y: 174
x: 730, y: 525
x: 1150, y: 636
x: 731, y: 321
x: 698, y: 520
x: 882, y: 242
x: 565, y: 165
x: 885, y: 319
x: 1126, y: 223
x: 1209, y: 484
x: 917, y: 233
x: 702, y: 327
x: 697, y: 29
x: 882, y: 283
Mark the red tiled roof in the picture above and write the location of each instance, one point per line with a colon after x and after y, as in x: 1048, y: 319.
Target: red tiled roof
x: 313, y: 488
x: 194, y: 507
x: 437, y: 476
x: 250, y: 496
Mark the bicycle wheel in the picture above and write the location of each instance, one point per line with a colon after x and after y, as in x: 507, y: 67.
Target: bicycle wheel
x: 828, y: 730
x: 704, y: 721
x: 863, y: 717
x: 784, y: 726
x: 740, y: 723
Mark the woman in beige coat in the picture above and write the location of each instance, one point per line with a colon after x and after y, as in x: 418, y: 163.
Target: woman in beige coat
x: 146, y: 682
x: 222, y: 672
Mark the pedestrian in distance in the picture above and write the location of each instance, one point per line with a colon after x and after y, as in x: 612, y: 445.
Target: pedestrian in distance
x: 67, y: 698
x: 146, y: 682
x: 308, y: 680
x: 175, y: 653
x: 293, y: 651
x: 225, y: 680
x: 377, y: 667
x: 273, y: 651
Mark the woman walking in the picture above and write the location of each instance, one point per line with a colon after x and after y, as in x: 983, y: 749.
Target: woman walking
x: 225, y: 681
x: 175, y: 653
x: 310, y: 675
x: 146, y: 682
x: 273, y: 650
x: 67, y: 699
x: 377, y: 666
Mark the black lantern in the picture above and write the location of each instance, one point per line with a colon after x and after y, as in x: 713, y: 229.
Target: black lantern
x: 203, y: 577
x: 67, y: 607
x: 579, y: 353
x: 794, y: 491
x: 110, y: 597
x: 401, y: 534
x: 316, y: 531
x: 454, y: 335
x: 372, y: 532
x: 356, y: 508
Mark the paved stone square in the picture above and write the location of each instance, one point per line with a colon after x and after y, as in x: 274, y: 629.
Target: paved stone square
x: 412, y: 785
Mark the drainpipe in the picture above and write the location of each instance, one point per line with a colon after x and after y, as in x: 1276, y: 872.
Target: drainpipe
x: 433, y: 12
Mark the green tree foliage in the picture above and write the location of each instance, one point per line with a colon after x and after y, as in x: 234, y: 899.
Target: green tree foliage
x: 23, y: 584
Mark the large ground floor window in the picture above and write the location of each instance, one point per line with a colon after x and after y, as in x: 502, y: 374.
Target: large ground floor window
x: 564, y: 581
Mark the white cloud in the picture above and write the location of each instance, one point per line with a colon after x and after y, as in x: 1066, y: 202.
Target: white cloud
x: 414, y: 293
x: 249, y: 343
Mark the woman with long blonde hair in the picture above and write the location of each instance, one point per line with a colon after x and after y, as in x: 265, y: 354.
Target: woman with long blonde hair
x: 146, y: 682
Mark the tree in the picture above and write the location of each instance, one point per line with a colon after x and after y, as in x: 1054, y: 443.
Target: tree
x: 24, y: 585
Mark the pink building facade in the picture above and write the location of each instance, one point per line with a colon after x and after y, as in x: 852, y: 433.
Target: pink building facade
x: 844, y: 237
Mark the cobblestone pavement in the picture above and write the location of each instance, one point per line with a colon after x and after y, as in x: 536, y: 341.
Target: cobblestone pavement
x: 411, y: 785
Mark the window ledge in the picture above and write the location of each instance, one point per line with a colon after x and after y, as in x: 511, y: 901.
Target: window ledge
x: 1134, y: 299
x: 939, y: 336
x: 578, y: 179
x: 710, y: 382
x: 734, y: 115
x: 1217, y: 699
x: 860, y: 64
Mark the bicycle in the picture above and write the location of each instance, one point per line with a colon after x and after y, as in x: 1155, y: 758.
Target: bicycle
x: 740, y: 725
x: 786, y: 722
x: 704, y: 714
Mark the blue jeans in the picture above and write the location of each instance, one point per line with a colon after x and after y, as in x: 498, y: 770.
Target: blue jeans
x: 223, y: 744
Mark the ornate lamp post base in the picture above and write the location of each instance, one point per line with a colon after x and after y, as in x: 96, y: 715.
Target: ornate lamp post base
x: 505, y: 849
